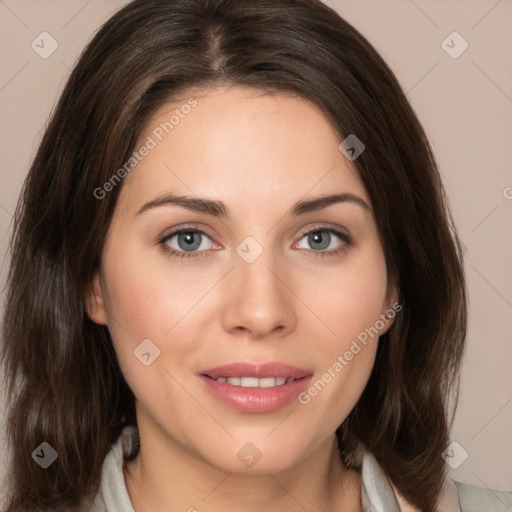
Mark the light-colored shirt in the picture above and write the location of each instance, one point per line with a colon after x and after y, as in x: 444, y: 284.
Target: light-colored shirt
x: 378, y: 494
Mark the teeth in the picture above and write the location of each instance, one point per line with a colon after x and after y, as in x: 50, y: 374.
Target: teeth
x: 253, y: 382
x: 249, y: 382
x: 267, y: 382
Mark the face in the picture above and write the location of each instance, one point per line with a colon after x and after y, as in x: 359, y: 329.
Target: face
x: 260, y: 287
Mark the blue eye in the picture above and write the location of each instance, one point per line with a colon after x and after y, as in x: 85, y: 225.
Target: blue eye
x: 187, y: 242
x: 190, y: 243
x: 321, y: 238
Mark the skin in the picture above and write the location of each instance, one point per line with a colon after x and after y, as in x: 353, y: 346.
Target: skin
x: 259, y: 154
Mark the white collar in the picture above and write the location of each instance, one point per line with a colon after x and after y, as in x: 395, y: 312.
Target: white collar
x: 378, y: 494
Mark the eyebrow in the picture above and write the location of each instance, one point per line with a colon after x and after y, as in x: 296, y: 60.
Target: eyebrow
x: 220, y: 210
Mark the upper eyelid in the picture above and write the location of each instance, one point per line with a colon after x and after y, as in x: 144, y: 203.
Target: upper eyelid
x: 325, y: 227
x: 185, y: 229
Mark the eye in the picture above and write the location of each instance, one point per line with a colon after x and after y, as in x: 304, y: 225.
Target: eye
x: 186, y: 243
x: 322, y: 238
x: 193, y: 243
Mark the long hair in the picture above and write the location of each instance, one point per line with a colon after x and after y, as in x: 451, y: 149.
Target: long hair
x: 62, y: 378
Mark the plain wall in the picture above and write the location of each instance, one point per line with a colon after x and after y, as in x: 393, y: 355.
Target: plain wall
x: 465, y: 106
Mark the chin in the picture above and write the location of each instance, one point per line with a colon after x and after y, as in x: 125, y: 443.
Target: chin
x: 258, y: 456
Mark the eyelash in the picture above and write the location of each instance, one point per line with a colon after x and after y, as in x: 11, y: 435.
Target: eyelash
x: 199, y: 254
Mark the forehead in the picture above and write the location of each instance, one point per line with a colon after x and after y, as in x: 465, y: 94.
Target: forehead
x: 242, y: 146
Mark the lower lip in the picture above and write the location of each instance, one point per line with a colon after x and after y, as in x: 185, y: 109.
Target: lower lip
x: 255, y: 400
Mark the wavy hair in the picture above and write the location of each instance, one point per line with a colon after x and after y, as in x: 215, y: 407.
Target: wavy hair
x: 62, y: 378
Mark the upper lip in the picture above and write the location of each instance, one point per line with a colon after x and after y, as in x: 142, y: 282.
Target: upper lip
x: 260, y: 371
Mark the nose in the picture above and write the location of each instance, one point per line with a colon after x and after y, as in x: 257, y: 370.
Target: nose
x: 259, y: 298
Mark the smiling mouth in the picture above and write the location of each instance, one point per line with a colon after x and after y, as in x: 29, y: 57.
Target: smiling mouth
x: 251, y: 387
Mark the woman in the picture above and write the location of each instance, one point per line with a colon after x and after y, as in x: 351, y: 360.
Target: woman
x: 235, y: 281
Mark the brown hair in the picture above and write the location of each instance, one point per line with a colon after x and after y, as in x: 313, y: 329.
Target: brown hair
x: 63, y: 380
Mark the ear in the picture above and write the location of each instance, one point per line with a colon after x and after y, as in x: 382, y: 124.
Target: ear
x: 94, y: 301
x: 391, y: 309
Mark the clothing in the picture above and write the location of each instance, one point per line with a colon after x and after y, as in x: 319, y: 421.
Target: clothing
x: 377, y: 494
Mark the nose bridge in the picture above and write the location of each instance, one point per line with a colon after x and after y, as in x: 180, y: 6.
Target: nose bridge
x: 257, y: 267
x: 259, y: 300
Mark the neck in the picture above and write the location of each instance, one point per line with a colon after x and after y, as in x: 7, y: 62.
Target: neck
x: 165, y: 476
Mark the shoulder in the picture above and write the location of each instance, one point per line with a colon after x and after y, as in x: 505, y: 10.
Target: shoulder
x: 379, y: 493
x: 475, y: 499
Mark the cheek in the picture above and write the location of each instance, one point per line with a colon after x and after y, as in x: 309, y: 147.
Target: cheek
x: 146, y: 301
x: 147, y: 304
x: 345, y: 352
x: 150, y: 293
x: 350, y: 299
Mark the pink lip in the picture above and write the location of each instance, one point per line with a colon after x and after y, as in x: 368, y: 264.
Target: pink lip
x: 255, y: 370
x: 255, y: 400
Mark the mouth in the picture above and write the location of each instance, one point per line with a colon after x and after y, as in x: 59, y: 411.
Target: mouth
x: 255, y: 388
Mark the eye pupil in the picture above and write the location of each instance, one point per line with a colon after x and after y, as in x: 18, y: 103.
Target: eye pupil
x: 186, y: 241
x: 322, y: 238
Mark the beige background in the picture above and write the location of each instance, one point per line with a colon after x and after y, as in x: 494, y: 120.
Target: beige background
x: 465, y: 105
